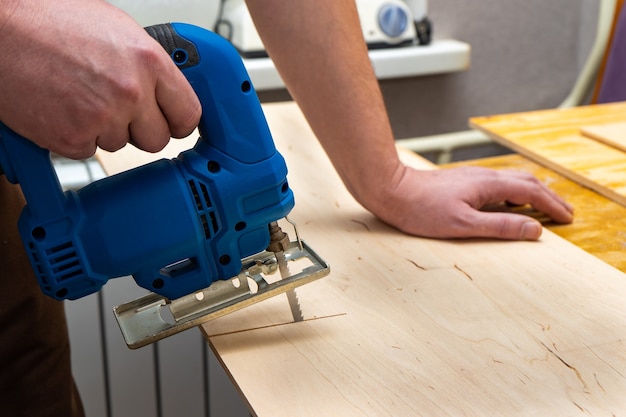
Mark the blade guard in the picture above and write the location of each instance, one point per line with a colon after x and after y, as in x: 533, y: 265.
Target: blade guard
x: 152, y: 317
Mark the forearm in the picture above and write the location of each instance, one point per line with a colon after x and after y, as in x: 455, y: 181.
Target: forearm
x: 7, y: 7
x: 319, y: 51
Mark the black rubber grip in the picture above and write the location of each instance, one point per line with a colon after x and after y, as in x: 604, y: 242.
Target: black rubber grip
x: 182, y: 51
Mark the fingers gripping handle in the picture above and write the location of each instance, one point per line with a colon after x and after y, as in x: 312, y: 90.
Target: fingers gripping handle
x: 232, y: 120
x: 77, y: 240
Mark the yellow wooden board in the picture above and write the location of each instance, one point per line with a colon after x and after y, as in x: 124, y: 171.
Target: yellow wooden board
x: 599, y: 225
x: 612, y: 134
x: 405, y: 326
x: 554, y: 139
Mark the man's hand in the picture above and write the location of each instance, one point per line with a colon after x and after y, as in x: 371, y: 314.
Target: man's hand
x: 445, y: 203
x: 78, y: 74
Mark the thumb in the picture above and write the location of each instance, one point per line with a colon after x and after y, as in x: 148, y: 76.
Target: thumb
x: 507, y: 226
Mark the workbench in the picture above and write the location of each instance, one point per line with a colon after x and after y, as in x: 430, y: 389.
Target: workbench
x: 407, y: 326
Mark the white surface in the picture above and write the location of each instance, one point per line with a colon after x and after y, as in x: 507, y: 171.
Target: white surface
x: 440, y: 57
x: 152, y: 12
x: 76, y: 174
x: 369, y: 14
x: 243, y: 34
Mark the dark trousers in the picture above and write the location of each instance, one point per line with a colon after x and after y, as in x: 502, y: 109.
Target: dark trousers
x: 35, y: 371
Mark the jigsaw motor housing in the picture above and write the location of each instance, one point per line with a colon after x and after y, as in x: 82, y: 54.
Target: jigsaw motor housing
x: 176, y: 225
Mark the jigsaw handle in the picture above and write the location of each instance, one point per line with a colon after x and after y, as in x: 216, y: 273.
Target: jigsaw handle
x: 20, y: 158
x: 231, y: 123
x: 49, y: 222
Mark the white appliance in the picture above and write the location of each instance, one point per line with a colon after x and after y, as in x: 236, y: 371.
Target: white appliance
x: 385, y: 24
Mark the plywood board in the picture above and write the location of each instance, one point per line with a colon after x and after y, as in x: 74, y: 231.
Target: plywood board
x: 406, y: 326
x: 599, y: 225
x: 612, y: 134
x: 553, y: 138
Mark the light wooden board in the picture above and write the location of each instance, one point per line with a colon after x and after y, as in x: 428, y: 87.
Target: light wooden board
x: 612, y: 134
x: 553, y: 138
x: 406, y: 326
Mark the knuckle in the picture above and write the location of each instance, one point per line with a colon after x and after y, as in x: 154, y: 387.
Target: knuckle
x: 153, y: 144
x: 149, y: 53
x: 129, y: 84
x: 112, y: 145
x: 76, y: 149
x: 186, y: 124
x: 129, y: 90
x: 73, y: 144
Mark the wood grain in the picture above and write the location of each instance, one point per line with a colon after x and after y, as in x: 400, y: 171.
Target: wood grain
x: 599, y: 225
x: 406, y: 326
x: 553, y: 138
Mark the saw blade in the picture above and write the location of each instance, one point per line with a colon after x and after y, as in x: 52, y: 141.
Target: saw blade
x: 292, y: 297
x: 294, y: 305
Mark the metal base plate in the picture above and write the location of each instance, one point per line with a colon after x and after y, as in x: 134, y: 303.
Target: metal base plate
x: 153, y: 317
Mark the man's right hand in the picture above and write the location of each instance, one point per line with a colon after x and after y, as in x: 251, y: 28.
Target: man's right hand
x: 82, y: 74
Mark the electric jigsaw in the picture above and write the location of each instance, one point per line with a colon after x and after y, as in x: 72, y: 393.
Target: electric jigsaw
x: 200, y: 232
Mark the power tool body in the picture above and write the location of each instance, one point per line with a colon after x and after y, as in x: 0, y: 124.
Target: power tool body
x: 192, y: 230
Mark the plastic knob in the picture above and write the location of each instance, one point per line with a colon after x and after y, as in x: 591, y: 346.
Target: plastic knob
x: 393, y: 20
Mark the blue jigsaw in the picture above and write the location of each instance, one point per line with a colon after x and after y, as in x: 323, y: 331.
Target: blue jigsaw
x: 193, y: 230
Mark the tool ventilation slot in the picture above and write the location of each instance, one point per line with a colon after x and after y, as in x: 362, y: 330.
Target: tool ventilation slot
x: 206, y: 211
x: 62, y: 260
x: 37, y: 266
